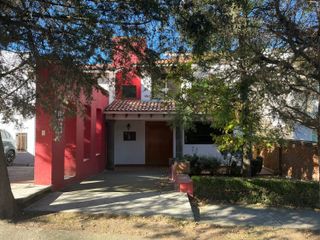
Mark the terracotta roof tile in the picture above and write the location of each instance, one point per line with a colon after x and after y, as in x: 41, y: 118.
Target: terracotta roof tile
x: 140, y: 106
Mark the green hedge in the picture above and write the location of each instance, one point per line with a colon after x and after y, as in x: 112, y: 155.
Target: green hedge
x: 274, y: 192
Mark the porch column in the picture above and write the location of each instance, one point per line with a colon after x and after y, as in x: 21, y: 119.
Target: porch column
x: 179, y: 142
x: 110, y: 144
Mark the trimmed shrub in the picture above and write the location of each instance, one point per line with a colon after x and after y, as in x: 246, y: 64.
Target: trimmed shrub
x: 273, y: 192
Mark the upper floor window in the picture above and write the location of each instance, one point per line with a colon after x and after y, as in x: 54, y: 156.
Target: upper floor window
x: 129, y: 91
x: 163, y: 88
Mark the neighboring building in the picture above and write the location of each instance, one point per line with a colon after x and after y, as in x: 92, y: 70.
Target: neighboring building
x: 24, y: 134
x: 22, y: 130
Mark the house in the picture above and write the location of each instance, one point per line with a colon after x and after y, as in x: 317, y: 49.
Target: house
x: 139, y: 125
x: 126, y: 124
x: 140, y: 131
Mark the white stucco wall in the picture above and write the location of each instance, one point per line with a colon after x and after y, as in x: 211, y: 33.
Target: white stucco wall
x: 107, y: 82
x: 129, y: 152
x: 146, y: 88
x: 209, y: 150
x: 202, y: 150
x: 26, y: 126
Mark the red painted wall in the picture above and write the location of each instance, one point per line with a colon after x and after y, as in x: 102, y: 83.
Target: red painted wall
x: 126, y: 59
x: 43, y: 164
x: 130, y: 78
x: 71, y: 159
x: 128, y: 52
x: 60, y: 163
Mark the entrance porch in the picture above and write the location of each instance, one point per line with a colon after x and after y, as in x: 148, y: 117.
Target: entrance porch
x: 139, y: 133
x: 140, y: 142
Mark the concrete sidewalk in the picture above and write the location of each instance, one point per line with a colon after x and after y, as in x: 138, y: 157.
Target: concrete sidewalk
x: 21, y: 174
x: 144, y: 192
x: 147, y: 192
x: 235, y: 215
x: 24, y: 159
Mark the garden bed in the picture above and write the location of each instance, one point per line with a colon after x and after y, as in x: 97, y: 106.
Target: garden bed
x: 266, y: 191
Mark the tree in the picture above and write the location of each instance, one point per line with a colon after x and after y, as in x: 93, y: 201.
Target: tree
x: 224, y: 38
x: 293, y: 81
x: 271, y: 48
x: 67, y: 37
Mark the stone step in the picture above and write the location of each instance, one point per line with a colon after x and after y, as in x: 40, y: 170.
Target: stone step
x: 27, y: 193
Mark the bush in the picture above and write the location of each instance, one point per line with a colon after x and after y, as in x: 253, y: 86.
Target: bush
x: 195, y: 168
x: 209, y: 164
x: 273, y: 192
x: 200, y: 164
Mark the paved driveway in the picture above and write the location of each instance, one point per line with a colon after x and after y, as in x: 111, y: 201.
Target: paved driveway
x: 126, y: 191
x: 20, y: 174
x: 24, y: 159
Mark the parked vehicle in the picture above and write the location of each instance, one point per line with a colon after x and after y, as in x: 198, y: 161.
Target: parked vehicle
x: 9, y: 146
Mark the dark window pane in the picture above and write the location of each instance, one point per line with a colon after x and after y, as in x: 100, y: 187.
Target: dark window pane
x: 201, y: 134
x: 129, y: 91
x: 129, y: 136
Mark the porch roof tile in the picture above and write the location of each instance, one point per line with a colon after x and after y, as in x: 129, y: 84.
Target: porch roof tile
x: 140, y: 106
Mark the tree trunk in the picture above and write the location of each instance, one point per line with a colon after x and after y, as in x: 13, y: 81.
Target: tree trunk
x: 179, y: 142
x: 318, y: 146
x: 8, y: 206
x: 246, y: 158
x: 246, y: 127
x: 280, y: 160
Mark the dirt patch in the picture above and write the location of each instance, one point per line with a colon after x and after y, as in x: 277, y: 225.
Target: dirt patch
x: 153, y: 227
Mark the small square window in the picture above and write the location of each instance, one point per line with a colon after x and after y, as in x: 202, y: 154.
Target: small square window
x: 129, y: 91
x: 129, y: 136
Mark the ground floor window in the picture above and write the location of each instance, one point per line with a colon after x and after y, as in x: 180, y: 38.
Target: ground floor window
x: 201, y: 133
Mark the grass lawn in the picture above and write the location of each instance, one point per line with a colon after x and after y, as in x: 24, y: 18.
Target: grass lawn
x: 267, y: 191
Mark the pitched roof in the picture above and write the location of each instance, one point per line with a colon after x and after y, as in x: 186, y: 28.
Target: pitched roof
x: 133, y: 105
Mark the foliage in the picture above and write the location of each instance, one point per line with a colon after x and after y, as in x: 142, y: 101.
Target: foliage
x: 225, y: 85
x: 293, y: 78
x: 75, y: 40
x: 272, y: 191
